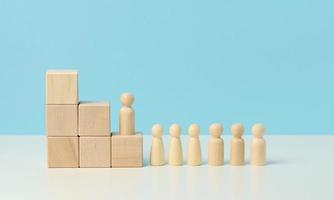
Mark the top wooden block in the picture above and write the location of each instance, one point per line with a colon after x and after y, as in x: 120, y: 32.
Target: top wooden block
x: 62, y: 87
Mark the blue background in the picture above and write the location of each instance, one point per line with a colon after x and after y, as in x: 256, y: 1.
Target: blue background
x: 185, y: 61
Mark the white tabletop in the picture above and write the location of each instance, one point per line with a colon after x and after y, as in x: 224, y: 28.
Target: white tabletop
x: 299, y: 167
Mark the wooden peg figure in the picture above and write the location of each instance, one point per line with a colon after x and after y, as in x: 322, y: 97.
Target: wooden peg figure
x: 194, y: 146
x: 216, y: 145
x: 127, y: 115
x: 258, y: 146
x: 237, y: 145
x: 157, y: 148
x: 175, y: 156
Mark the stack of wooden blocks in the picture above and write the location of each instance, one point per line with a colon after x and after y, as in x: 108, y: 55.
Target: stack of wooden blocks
x: 79, y: 134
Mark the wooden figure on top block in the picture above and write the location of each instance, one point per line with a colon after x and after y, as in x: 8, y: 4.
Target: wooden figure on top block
x: 127, y: 115
x: 194, y: 146
x: 175, y: 156
x: 127, y: 147
x: 157, y: 148
x: 216, y: 145
x: 258, y: 145
x: 237, y: 145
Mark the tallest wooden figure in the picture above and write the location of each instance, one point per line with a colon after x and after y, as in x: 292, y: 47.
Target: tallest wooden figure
x: 127, y: 146
x: 127, y: 115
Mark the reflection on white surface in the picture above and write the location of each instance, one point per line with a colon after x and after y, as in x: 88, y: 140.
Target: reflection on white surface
x: 165, y: 182
x: 94, y: 183
x: 62, y: 183
x: 157, y: 182
x: 194, y: 182
x: 257, y: 176
x: 237, y: 182
x: 307, y: 175
x: 216, y: 183
x: 176, y: 182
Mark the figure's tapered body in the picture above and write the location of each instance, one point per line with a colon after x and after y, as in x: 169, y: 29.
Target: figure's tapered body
x: 175, y: 155
x: 237, y: 151
x: 258, y: 152
x: 194, y: 146
x: 216, y: 146
x: 237, y: 145
x: 127, y: 121
x: 258, y: 146
x: 127, y: 115
x: 157, y: 149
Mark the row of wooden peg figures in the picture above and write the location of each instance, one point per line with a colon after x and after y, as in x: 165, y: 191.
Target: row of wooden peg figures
x: 215, y: 146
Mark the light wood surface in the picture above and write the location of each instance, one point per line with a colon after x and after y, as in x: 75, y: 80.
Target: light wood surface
x: 94, y: 118
x: 127, y: 115
x: 95, y: 152
x: 175, y: 155
x: 62, y: 87
x: 63, y: 152
x: 237, y: 152
x: 62, y: 120
x: 157, y: 154
x: 216, y: 145
x: 194, y: 146
x: 258, y: 145
x: 127, y: 150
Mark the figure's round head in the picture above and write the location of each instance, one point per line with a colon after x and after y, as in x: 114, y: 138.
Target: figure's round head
x: 194, y: 130
x: 157, y: 130
x: 258, y: 130
x: 175, y: 130
x: 216, y: 130
x: 237, y: 130
x: 127, y: 99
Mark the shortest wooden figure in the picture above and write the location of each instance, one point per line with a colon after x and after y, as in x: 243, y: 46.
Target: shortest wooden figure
x: 258, y: 146
x: 237, y: 145
x: 175, y: 156
x: 194, y: 146
x: 157, y: 148
x: 216, y: 145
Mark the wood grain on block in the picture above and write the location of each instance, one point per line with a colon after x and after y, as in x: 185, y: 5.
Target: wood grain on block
x: 127, y: 150
x: 63, y: 152
x: 95, y: 151
x: 62, y: 120
x: 94, y: 119
x: 62, y: 87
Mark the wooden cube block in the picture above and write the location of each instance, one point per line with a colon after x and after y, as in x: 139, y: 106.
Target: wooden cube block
x: 62, y: 87
x: 95, y: 151
x: 62, y: 120
x: 94, y: 119
x: 63, y: 152
x: 127, y: 150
